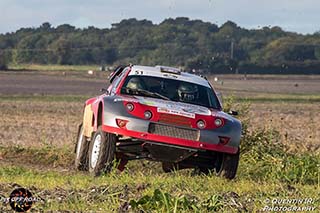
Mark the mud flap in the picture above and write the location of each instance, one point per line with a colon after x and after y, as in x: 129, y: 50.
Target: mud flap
x: 87, y: 121
x: 77, y: 138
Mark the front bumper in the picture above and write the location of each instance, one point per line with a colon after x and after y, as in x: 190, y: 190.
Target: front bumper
x: 169, y: 134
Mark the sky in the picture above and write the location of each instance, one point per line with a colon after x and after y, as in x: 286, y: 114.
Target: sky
x: 300, y: 16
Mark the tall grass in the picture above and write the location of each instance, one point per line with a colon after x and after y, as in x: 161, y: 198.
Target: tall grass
x: 265, y: 157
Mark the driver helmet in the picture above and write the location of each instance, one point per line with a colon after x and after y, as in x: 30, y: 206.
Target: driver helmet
x: 135, y: 83
x: 188, y: 92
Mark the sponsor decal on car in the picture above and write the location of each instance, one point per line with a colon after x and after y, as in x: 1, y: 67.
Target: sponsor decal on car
x: 126, y: 99
x: 176, y: 112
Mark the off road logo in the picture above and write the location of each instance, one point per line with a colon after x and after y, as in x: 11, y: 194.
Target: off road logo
x: 21, y: 200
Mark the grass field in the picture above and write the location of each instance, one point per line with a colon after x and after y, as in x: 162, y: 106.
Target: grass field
x: 59, y: 68
x: 280, y: 158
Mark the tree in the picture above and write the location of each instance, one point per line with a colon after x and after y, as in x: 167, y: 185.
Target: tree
x: 193, y: 44
x: 65, y: 28
x: 46, y: 26
x: 3, y: 64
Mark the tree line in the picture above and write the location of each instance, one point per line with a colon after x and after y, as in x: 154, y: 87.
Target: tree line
x: 191, y: 44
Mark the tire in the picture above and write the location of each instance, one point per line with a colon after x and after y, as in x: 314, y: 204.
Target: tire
x: 225, y: 165
x: 168, y: 167
x: 101, y: 152
x: 228, y: 166
x: 81, y: 150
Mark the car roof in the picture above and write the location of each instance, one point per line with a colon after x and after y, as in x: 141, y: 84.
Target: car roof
x: 156, y: 72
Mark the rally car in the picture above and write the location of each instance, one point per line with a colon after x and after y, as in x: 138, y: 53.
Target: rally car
x: 162, y: 114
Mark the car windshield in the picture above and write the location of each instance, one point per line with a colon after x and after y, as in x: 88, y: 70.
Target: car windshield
x: 170, y: 89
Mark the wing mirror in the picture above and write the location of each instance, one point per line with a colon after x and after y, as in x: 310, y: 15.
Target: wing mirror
x: 231, y: 112
x: 104, y: 90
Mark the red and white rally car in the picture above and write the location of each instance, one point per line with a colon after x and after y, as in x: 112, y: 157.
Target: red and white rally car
x: 162, y: 114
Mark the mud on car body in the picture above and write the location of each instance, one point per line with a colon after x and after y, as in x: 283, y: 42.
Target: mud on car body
x: 162, y: 114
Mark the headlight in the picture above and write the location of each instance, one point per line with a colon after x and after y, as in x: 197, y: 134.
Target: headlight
x: 130, y: 107
x: 218, y: 122
x: 201, y: 124
x: 147, y: 114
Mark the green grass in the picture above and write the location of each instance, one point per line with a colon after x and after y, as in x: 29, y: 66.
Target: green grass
x: 144, y: 186
x: 79, y: 191
x: 54, y: 67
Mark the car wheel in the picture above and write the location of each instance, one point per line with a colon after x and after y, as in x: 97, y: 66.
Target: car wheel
x: 228, y: 165
x: 82, y: 146
x: 101, y: 152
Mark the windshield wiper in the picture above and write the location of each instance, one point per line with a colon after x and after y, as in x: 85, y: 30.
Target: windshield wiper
x: 146, y: 92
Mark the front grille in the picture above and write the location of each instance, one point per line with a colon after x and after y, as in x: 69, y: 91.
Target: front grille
x: 172, y: 131
x: 174, y: 119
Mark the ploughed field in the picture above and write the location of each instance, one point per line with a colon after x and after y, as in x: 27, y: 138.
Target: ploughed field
x: 40, y: 112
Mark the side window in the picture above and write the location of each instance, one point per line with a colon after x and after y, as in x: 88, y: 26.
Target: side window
x: 213, y: 99
x: 117, y: 81
x: 114, y: 85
